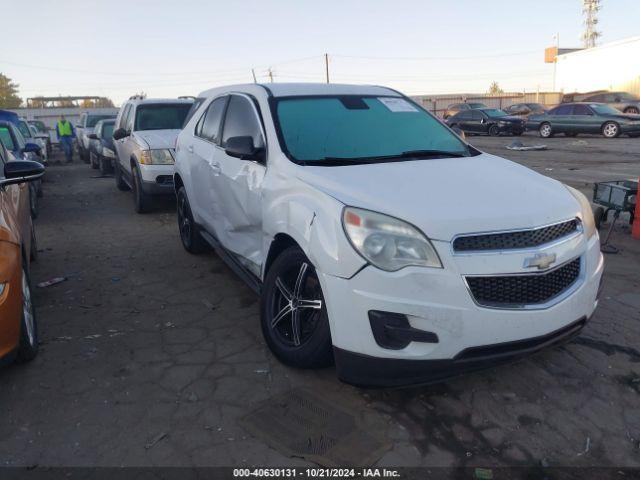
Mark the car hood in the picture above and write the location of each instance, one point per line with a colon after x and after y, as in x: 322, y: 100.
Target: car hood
x: 447, y: 197
x: 158, y: 138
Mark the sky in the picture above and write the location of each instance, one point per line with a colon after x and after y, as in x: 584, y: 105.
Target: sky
x: 165, y: 48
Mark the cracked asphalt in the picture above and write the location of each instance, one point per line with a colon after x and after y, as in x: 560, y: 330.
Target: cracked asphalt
x: 151, y: 356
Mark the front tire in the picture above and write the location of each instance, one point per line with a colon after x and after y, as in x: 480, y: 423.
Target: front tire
x: 545, y: 130
x: 117, y: 175
x: 189, y: 235
x: 105, y: 166
x: 93, y: 160
x: 293, y: 312
x: 28, y: 347
x: 610, y: 130
x: 494, y: 131
x: 141, y: 200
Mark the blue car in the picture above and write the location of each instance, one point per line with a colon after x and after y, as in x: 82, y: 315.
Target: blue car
x: 15, y: 144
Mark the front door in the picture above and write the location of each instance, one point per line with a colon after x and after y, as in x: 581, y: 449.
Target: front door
x: 241, y: 184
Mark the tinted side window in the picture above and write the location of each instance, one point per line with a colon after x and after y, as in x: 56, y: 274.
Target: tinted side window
x: 241, y: 121
x: 194, y: 108
x: 209, y: 125
x: 464, y: 115
x: 476, y: 115
x: 562, y: 110
x: 581, y: 110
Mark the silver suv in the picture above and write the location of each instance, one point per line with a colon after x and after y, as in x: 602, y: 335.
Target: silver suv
x: 144, y: 137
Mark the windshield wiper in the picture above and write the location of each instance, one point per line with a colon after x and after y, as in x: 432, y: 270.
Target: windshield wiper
x: 401, y: 157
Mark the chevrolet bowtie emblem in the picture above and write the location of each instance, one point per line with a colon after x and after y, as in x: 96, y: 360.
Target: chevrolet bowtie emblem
x: 540, y: 260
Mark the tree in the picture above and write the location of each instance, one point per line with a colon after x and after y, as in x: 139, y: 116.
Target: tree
x: 9, y: 93
x: 494, y: 88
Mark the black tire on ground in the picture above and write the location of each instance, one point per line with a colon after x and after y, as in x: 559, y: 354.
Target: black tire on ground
x: 28, y: 347
x: 545, y: 130
x: 610, y: 129
x: 33, y: 253
x: 598, y: 216
x: 293, y: 313
x: 33, y: 200
x: 93, y: 160
x: 117, y: 174
x: 141, y: 201
x: 105, y: 165
x: 191, y: 239
x: 494, y: 131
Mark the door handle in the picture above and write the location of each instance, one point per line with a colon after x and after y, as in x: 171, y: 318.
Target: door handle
x: 190, y: 148
x: 215, y: 168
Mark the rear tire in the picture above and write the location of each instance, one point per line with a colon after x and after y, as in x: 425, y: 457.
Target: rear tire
x: 117, y: 174
x: 189, y: 235
x: 28, y: 347
x: 545, y: 130
x: 142, y: 201
x: 610, y: 129
x: 293, y: 312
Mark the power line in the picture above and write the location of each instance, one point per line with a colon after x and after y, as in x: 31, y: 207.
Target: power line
x: 498, y: 55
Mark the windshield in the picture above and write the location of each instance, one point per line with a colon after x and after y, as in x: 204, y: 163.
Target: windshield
x: 107, y: 130
x: 626, y: 97
x: 5, y: 138
x: 604, y: 109
x: 354, y: 126
x: 494, y: 112
x: 24, y: 129
x: 162, y: 116
x: 93, y: 119
x: 39, y: 125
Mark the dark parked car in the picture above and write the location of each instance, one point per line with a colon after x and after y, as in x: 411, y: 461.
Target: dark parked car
x: 574, y: 118
x: 15, y: 144
x: 460, y: 107
x: 101, y: 147
x: 487, y: 120
x: 623, y: 101
x: 525, y: 109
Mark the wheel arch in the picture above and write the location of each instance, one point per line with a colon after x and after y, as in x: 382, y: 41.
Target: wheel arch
x: 279, y: 244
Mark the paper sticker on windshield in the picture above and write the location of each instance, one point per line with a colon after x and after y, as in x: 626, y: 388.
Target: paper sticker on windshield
x: 397, y: 104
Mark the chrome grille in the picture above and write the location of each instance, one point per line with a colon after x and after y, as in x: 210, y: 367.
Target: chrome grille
x: 514, y: 291
x: 515, y: 240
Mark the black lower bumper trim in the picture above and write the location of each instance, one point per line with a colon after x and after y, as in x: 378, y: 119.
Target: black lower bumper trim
x: 367, y: 371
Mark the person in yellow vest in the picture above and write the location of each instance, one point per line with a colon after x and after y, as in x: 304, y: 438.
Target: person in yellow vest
x: 66, y: 134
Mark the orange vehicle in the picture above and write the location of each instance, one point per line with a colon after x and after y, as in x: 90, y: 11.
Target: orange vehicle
x: 18, y: 327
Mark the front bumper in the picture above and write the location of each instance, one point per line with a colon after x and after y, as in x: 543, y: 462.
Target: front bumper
x: 10, y: 301
x: 157, y: 179
x: 437, y: 301
x: 512, y: 128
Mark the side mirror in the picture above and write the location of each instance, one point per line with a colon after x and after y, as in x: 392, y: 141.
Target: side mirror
x: 242, y: 148
x: 31, y: 147
x: 92, y: 136
x: 120, y: 133
x: 20, y: 171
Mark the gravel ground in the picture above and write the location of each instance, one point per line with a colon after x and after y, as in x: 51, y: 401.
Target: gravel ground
x: 151, y: 356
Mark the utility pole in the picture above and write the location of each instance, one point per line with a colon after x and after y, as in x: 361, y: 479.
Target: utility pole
x: 270, y: 74
x: 253, y: 72
x: 326, y: 65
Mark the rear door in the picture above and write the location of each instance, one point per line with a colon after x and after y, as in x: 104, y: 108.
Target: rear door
x: 478, y: 122
x: 561, y: 118
x: 241, y: 184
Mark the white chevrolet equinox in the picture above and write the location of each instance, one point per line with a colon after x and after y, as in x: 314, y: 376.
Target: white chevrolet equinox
x: 377, y: 237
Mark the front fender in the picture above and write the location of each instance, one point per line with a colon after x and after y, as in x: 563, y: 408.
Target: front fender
x: 314, y: 220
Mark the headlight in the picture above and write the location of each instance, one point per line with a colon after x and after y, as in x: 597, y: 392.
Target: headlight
x: 156, y: 157
x: 588, y: 222
x: 386, y: 242
x: 107, y: 152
